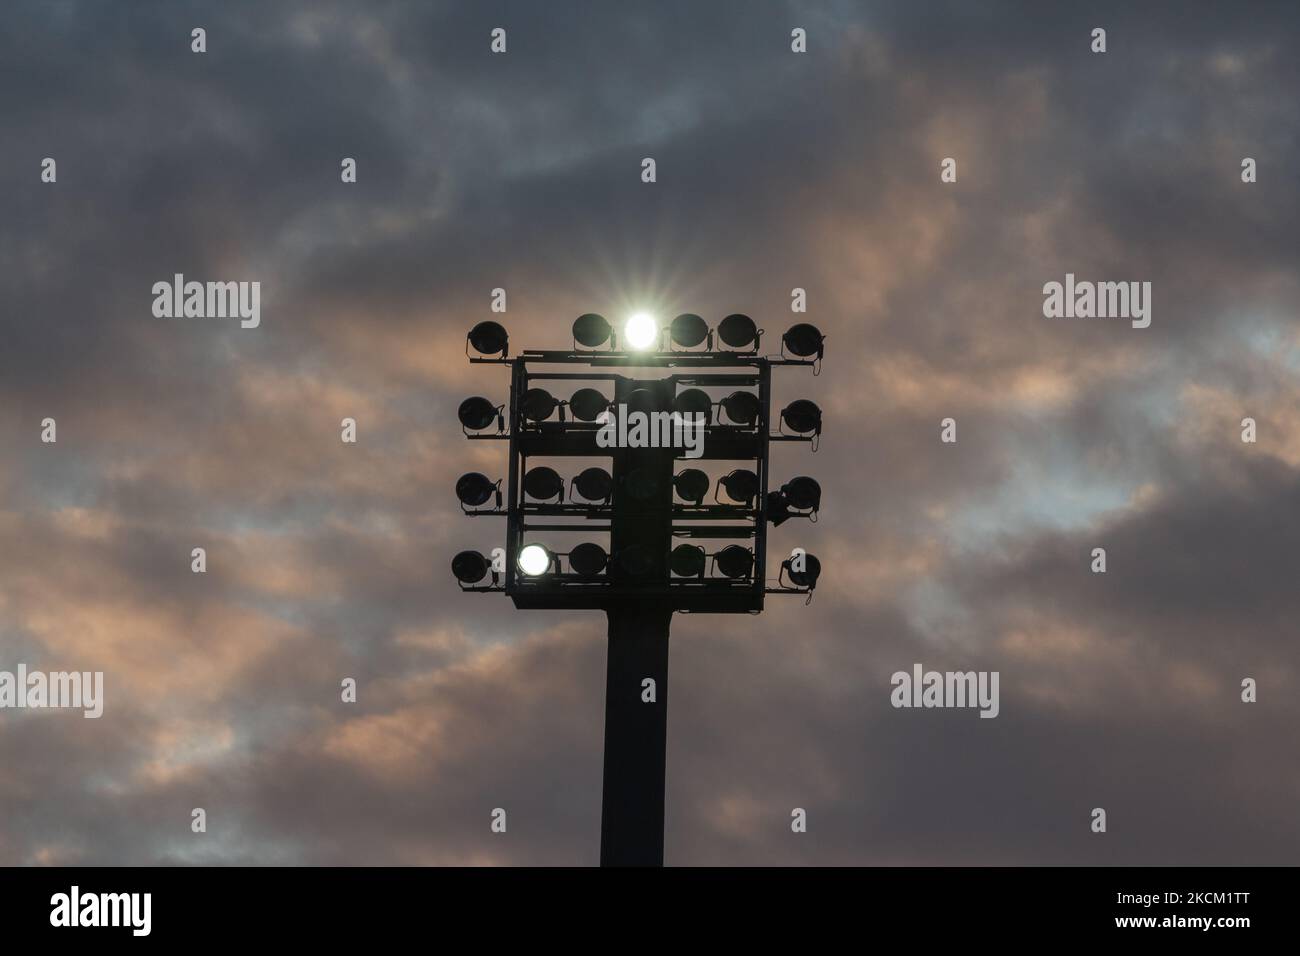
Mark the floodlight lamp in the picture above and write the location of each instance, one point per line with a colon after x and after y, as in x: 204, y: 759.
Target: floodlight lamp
x: 489, y: 338
x: 691, y: 485
x: 803, y: 493
x: 738, y: 331
x: 641, y: 331
x: 475, y: 489
x: 740, y: 485
x: 692, y: 403
x: 687, y: 561
x: 469, y: 567
x: 594, y: 484
x: 591, y: 330
x: 734, y: 561
x: 807, y: 578
x: 802, y: 416
x: 742, y: 407
x: 478, y: 413
x: 543, y: 483
x: 688, y: 330
x: 534, y: 560
x: 537, y: 404
x: 588, y: 559
x: 803, y: 340
x: 587, y: 404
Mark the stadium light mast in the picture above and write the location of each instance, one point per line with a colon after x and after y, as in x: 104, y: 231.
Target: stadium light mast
x: 714, y: 407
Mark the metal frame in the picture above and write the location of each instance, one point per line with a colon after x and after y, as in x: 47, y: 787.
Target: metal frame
x: 746, y: 446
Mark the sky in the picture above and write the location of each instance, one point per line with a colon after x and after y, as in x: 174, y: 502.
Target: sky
x: 775, y: 170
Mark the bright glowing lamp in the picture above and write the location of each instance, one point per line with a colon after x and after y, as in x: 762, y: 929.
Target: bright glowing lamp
x: 534, y: 560
x: 641, y: 331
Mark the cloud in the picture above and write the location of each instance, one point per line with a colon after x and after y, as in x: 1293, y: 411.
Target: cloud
x: 776, y: 171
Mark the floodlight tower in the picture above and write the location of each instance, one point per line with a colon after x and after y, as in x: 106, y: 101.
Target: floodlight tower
x: 642, y: 505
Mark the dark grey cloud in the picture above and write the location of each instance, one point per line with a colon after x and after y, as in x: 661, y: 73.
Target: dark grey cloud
x: 775, y: 171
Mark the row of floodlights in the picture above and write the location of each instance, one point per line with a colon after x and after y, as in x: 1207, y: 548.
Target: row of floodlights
x: 802, y: 416
x: 589, y: 560
x: 798, y: 496
x: 643, y: 333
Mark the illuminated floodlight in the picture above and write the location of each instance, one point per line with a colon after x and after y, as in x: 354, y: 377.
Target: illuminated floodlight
x: 534, y: 560
x: 641, y: 331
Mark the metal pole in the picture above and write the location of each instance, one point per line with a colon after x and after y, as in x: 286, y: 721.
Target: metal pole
x: 636, y: 736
